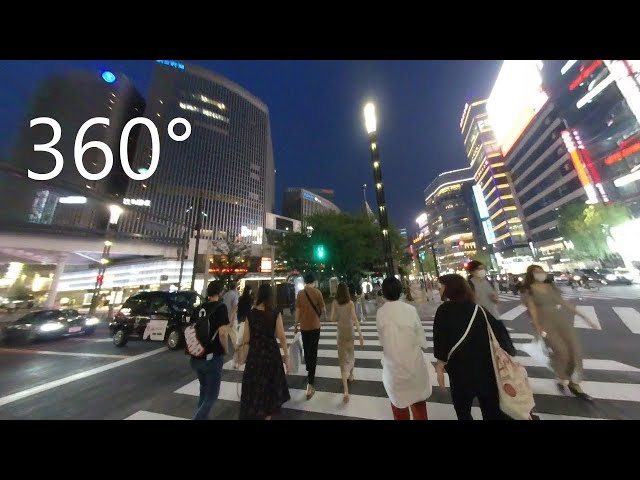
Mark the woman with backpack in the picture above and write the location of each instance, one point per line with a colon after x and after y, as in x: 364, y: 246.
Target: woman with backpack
x: 461, y: 347
x: 264, y: 384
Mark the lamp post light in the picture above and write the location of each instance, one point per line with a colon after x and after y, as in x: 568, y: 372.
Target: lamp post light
x: 114, y: 215
x: 371, y: 126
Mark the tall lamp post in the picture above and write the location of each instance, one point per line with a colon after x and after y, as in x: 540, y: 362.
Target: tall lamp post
x: 371, y: 126
x: 114, y: 215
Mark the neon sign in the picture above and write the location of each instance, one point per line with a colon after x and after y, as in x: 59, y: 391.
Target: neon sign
x: 172, y: 63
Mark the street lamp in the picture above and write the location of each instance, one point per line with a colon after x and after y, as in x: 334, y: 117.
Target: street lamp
x: 114, y: 215
x: 370, y: 121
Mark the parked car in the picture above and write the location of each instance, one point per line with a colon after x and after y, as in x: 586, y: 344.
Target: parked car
x: 49, y: 324
x: 133, y: 318
x: 605, y: 277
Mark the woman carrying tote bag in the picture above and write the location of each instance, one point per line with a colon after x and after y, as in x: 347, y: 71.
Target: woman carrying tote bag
x: 470, y: 364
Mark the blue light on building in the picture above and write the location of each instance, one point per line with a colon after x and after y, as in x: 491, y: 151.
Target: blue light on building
x: 172, y: 63
x: 108, y: 77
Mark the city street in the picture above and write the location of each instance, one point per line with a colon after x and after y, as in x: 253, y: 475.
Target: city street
x: 87, y: 377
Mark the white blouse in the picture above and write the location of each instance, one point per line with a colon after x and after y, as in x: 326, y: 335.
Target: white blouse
x: 405, y: 374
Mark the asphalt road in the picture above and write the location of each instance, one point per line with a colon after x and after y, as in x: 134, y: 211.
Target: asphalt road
x: 89, y: 378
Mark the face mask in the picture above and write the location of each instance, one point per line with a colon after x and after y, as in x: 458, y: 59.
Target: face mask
x: 540, y: 277
x: 481, y: 273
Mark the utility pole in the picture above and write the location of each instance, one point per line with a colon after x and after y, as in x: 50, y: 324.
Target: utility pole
x: 198, y: 228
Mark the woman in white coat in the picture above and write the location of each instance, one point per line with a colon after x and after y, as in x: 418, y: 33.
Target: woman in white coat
x: 405, y: 374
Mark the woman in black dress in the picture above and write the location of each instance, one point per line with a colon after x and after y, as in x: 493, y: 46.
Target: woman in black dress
x: 264, y: 384
x: 470, y: 366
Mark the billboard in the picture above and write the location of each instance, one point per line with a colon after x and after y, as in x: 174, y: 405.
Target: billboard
x: 517, y: 96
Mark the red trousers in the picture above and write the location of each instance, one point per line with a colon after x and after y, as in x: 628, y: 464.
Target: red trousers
x: 418, y: 411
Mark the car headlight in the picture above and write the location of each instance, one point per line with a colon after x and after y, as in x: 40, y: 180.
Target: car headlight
x: 51, y: 327
x: 91, y: 321
x: 611, y: 277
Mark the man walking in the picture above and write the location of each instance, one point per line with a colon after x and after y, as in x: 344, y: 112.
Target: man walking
x: 310, y: 308
x: 209, y: 367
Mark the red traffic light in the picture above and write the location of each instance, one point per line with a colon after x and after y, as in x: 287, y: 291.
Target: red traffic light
x: 461, y: 243
x: 99, y: 278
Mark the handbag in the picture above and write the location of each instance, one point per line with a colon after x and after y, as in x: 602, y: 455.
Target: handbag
x: 295, y: 353
x: 241, y: 348
x: 514, y: 392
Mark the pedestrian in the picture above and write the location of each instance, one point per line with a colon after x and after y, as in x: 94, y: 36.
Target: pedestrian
x: 245, y: 303
x: 485, y: 293
x: 230, y: 299
x: 469, y: 362
x: 343, y: 312
x: 405, y: 374
x: 555, y: 327
x: 209, y: 368
x: 310, y: 308
x: 264, y: 384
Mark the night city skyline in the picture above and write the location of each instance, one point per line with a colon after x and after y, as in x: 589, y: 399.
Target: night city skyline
x: 316, y: 114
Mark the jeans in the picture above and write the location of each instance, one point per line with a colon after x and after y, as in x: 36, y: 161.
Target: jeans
x: 310, y: 339
x: 209, y: 375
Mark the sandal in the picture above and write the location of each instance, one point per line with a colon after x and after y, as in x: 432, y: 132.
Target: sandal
x: 310, y: 391
x: 345, y: 399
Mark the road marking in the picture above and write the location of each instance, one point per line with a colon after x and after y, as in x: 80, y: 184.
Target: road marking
x: 630, y: 317
x: 14, y: 397
x: 145, y: 415
x: 333, y: 335
x: 359, y: 406
x: 513, y: 313
x: 69, y: 354
x: 590, y: 312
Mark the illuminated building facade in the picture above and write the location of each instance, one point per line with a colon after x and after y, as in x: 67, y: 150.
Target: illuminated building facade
x: 299, y: 203
x: 451, y: 225
x: 225, y: 167
x: 71, y: 99
x: 545, y: 171
x: 498, y: 207
x: 600, y: 102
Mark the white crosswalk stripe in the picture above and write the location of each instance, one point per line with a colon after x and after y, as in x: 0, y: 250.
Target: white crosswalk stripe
x: 369, y: 401
x: 630, y: 317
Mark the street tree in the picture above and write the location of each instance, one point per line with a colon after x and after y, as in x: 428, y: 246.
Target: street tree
x: 229, y: 257
x: 351, y: 245
x: 589, y: 227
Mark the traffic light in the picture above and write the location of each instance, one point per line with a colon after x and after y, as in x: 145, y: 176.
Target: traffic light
x: 319, y: 252
x: 99, y: 279
x: 422, y: 256
x: 461, y: 243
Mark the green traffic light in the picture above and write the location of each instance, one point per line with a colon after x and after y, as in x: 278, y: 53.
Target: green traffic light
x: 320, y: 252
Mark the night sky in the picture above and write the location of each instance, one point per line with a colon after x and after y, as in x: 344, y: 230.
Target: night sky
x: 317, y: 122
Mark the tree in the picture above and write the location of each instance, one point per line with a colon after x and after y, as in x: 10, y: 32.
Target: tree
x: 589, y: 227
x: 229, y: 256
x: 352, y: 245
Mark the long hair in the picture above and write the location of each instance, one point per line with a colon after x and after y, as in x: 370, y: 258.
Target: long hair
x: 456, y: 288
x: 265, y: 297
x: 528, y: 278
x: 343, y: 296
x: 247, y: 291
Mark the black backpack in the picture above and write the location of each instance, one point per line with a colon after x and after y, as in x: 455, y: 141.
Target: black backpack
x: 198, y: 335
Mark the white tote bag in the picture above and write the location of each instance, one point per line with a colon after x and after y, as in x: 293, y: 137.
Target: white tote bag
x: 514, y: 391
x: 295, y: 354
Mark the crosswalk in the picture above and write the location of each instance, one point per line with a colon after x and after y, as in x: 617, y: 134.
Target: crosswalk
x: 602, y: 294
x: 615, y: 386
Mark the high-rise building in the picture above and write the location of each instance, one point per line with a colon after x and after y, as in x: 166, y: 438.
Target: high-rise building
x: 223, y: 172
x: 299, y: 203
x: 532, y: 136
x: 600, y: 102
x: 72, y: 99
x: 497, y: 205
x: 327, y: 193
x: 452, y: 224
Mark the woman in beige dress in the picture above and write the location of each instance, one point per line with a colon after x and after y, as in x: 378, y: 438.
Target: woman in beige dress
x: 343, y: 311
x: 552, y: 318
